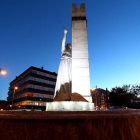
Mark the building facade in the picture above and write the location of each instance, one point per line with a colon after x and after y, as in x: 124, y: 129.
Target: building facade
x: 3, y: 105
x: 32, y: 89
x: 100, y: 98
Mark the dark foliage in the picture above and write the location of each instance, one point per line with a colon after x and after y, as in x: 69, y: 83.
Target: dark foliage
x: 124, y: 96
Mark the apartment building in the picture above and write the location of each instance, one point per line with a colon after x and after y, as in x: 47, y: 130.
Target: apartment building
x: 100, y: 98
x: 32, y: 89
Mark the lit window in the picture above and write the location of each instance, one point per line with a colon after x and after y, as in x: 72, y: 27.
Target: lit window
x: 31, y: 103
x: 36, y: 103
x: 41, y: 104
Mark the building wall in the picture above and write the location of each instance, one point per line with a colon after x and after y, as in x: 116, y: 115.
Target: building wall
x: 35, y: 88
x: 3, y: 105
x: 100, y: 98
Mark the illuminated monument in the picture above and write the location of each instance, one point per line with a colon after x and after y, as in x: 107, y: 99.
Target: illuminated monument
x: 72, y: 90
x: 80, y: 59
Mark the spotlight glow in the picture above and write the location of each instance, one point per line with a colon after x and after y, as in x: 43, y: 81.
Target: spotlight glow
x: 16, y: 87
x: 3, y: 72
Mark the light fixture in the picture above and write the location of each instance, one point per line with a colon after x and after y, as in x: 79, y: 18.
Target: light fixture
x: 2, y: 71
x: 15, y: 87
x: 92, y: 89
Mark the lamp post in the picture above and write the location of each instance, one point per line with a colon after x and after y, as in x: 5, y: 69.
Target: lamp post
x: 15, y: 88
x: 96, y: 95
x: 2, y: 71
x: 96, y: 99
x: 92, y: 90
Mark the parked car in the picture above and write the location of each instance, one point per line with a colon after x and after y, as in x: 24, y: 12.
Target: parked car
x: 117, y: 107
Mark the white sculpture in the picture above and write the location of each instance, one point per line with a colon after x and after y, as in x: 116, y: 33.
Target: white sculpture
x: 71, y: 73
x: 64, y: 77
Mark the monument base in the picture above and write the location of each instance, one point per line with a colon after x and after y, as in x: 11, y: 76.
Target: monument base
x: 70, y: 106
x: 88, y: 98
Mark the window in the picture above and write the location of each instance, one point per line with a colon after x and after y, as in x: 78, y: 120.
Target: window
x: 36, y: 95
x: 36, y: 103
x: 28, y: 103
x: 42, y: 96
x: 34, y: 72
x: 102, y: 103
x: 41, y: 104
x: 37, y: 87
x: 31, y: 103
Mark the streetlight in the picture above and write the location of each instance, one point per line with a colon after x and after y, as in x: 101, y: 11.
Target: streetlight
x: 96, y: 95
x: 97, y: 100
x: 15, y: 88
x: 92, y: 89
x: 2, y: 71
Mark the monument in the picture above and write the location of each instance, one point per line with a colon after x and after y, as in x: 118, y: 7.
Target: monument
x: 80, y: 59
x: 72, y: 90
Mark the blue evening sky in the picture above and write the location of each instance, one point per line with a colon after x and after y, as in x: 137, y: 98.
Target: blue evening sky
x: 31, y: 33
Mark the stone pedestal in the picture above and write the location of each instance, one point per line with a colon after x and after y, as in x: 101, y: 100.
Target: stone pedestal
x: 69, y: 106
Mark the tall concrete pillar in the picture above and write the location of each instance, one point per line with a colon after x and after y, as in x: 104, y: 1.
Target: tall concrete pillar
x: 80, y: 59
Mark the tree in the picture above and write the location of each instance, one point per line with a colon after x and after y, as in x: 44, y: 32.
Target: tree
x: 124, y: 96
